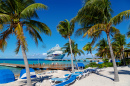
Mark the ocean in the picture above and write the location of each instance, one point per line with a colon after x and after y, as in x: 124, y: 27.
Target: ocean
x: 31, y: 61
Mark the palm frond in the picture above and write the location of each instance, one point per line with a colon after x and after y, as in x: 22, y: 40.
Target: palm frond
x: 81, y: 31
x: 120, y: 17
x: 113, y: 30
x: 3, y: 37
x: 95, y: 37
x: 18, y: 47
x: 65, y: 28
x: 94, y: 29
x: 20, y: 36
x: 34, y: 34
x: 38, y: 26
x: 93, y: 12
x: 128, y: 34
x: 4, y: 18
x: 30, y: 10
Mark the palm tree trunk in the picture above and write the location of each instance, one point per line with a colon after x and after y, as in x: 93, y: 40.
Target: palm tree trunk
x: 71, y: 56
x: 116, y: 77
x: 26, y: 66
x: 106, y: 56
x: 92, y: 56
x: 123, y: 56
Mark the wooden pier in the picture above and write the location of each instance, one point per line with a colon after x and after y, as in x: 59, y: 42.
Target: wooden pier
x: 41, y: 66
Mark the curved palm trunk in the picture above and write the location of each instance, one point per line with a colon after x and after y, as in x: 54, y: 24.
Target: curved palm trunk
x: 71, y: 56
x: 116, y: 77
x: 26, y: 66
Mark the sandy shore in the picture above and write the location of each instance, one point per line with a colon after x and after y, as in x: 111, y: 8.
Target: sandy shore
x: 104, y: 78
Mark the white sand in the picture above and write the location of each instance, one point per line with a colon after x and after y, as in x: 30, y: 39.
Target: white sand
x: 104, y: 78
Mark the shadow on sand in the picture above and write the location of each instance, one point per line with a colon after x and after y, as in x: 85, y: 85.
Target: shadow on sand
x: 105, y: 76
x: 119, y: 72
x: 122, y: 72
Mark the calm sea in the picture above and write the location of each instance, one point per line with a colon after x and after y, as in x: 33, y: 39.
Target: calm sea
x: 31, y: 61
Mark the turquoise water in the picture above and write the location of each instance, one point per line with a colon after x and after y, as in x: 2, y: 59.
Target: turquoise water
x: 31, y: 61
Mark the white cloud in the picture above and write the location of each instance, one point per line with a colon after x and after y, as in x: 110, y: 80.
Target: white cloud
x: 44, y: 54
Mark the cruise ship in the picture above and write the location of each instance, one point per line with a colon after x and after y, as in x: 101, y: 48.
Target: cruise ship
x: 55, y: 53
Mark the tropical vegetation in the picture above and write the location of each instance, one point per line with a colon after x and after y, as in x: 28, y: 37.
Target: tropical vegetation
x: 88, y: 47
x: 94, y: 64
x: 95, y: 18
x: 102, y: 48
x: 75, y: 49
x: 119, y: 44
x: 16, y: 16
x: 66, y: 29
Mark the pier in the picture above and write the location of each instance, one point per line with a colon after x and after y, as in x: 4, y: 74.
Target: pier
x: 58, y: 59
x: 41, y: 66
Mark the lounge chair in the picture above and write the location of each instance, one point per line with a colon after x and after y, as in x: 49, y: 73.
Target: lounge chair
x: 93, y: 70
x: 59, y: 80
x: 67, y: 82
x: 66, y: 75
x: 86, y: 73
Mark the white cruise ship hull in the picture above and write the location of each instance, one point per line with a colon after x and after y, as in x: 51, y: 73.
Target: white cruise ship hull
x: 61, y: 56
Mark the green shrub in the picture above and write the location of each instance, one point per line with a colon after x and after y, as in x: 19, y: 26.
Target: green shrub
x: 109, y: 64
x: 86, y: 66
x: 101, y: 65
x: 127, y: 61
x: 105, y: 60
x: 93, y: 64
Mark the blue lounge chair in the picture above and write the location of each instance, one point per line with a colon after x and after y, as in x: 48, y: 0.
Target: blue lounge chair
x: 67, y: 82
x: 66, y: 75
x: 59, y: 80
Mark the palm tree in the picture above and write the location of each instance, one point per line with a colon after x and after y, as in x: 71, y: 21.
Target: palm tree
x: 92, y: 12
x: 102, y: 47
x: 90, y: 28
x: 66, y: 29
x: 75, y: 49
x: 16, y: 16
x: 120, y: 42
x: 88, y: 47
x: 109, y: 30
x: 128, y: 34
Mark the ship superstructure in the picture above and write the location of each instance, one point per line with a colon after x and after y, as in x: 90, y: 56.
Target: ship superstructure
x: 55, y: 53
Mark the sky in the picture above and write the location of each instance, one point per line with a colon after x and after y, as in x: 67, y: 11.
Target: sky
x: 59, y: 10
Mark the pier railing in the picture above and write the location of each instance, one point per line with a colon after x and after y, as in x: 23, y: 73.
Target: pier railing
x: 50, y: 66
x: 47, y: 66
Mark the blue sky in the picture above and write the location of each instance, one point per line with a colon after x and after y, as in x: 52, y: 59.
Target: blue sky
x: 58, y: 10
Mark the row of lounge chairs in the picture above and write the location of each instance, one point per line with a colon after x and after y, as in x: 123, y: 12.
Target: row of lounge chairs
x: 71, y: 78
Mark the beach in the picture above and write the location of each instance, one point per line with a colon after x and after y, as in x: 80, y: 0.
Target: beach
x: 103, y: 78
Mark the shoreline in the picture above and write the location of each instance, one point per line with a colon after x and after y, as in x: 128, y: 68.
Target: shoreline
x: 104, y: 78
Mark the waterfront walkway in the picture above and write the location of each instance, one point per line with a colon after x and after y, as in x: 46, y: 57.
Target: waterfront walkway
x: 41, y: 66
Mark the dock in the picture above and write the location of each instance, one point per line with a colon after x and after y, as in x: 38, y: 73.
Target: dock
x: 41, y: 66
x: 57, y: 59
